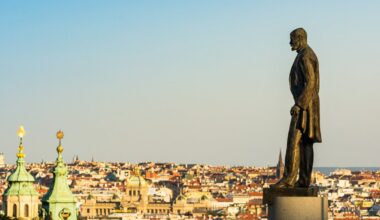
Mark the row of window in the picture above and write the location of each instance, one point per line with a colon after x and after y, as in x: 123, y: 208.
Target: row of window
x: 134, y: 192
x: 155, y: 211
x: 104, y: 211
x: 101, y: 211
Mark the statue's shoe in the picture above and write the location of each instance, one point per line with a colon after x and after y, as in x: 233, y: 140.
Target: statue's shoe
x: 301, y: 185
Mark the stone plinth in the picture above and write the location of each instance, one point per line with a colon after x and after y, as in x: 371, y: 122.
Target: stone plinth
x: 295, y: 204
x: 298, y: 208
x: 271, y: 193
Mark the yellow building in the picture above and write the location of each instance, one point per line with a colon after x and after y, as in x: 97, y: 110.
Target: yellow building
x: 135, y: 198
x: 136, y: 201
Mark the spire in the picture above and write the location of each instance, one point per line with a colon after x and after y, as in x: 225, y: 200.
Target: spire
x: 280, y: 162
x: 59, y: 161
x: 20, y: 155
x: 20, y: 174
x: 59, y: 199
x: 20, y: 188
x: 280, y: 166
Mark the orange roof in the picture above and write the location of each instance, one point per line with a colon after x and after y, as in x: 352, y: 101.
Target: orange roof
x: 224, y: 199
x: 255, y: 194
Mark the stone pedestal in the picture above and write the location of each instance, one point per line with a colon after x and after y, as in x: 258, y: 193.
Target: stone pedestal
x: 295, y: 204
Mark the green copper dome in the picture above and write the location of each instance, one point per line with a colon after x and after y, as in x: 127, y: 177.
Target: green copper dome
x: 20, y: 174
x: 20, y: 181
x: 136, y: 181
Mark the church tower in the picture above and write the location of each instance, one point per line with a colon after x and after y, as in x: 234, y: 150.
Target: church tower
x: 59, y: 202
x: 20, y: 199
x: 2, y: 160
x: 280, y: 167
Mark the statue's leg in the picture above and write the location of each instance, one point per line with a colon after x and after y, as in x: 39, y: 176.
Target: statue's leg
x: 292, y: 157
x: 306, y: 165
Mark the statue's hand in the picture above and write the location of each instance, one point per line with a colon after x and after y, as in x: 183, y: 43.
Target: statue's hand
x: 295, y: 110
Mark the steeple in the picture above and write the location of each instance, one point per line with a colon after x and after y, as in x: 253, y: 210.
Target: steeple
x: 21, y: 198
x: 280, y: 163
x: 59, y: 202
x: 280, y: 166
x: 2, y: 159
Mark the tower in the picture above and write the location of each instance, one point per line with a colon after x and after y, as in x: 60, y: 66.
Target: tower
x: 59, y: 202
x: 20, y: 199
x: 280, y: 167
x: 2, y: 159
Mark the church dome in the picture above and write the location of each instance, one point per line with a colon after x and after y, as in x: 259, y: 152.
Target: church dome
x: 21, y: 175
x: 136, y: 181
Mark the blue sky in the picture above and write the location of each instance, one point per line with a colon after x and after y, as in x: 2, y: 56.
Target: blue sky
x: 184, y: 81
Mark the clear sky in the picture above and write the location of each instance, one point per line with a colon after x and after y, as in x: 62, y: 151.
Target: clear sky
x: 185, y: 81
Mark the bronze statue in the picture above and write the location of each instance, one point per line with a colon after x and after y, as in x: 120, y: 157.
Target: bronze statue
x: 304, y: 128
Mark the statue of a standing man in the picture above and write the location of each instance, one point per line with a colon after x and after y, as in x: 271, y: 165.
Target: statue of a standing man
x: 304, y: 128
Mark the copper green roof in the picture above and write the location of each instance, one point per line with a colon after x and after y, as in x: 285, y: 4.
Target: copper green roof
x: 20, y: 181
x: 60, y: 192
x: 59, y: 200
x: 20, y: 174
x: 136, y: 181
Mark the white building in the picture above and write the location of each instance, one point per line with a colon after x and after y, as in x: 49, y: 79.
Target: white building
x: 2, y: 160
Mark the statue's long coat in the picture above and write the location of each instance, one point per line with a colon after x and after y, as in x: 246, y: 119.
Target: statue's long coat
x: 304, y: 85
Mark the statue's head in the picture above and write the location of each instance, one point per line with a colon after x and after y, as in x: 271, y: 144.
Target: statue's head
x: 298, y: 39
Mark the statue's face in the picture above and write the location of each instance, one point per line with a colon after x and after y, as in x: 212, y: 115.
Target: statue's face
x: 295, y: 43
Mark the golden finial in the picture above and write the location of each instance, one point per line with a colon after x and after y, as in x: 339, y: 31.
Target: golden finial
x: 60, y: 135
x: 21, y: 133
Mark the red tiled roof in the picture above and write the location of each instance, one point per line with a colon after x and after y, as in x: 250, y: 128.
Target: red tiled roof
x: 255, y: 194
x: 247, y: 216
x: 224, y: 199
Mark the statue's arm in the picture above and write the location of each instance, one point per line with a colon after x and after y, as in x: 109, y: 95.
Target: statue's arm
x: 310, y: 83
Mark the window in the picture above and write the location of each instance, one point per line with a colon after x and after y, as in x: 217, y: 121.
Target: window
x: 130, y: 192
x: 26, y: 210
x: 14, y: 211
x: 88, y: 210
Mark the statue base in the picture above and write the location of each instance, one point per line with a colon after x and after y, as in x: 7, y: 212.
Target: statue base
x: 295, y: 204
x: 271, y: 193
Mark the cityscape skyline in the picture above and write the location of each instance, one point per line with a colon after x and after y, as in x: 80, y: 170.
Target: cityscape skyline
x: 184, y: 82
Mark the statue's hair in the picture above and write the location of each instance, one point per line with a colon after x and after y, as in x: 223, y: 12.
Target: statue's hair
x: 299, y: 33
